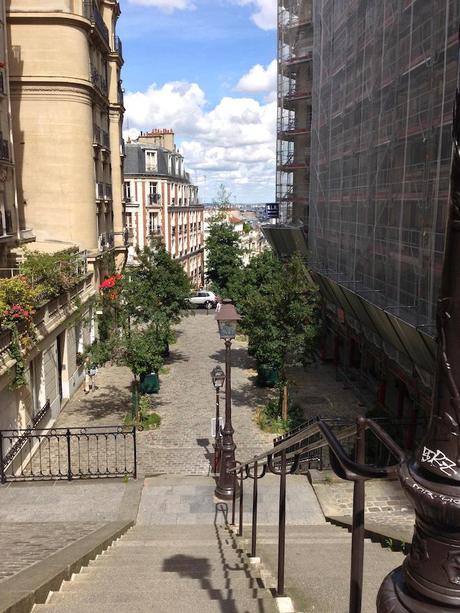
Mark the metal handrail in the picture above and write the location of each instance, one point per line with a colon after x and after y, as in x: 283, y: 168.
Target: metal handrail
x: 289, y: 456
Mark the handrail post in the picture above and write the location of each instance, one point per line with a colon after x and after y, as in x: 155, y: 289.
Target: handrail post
x: 357, y: 535
x: 240, y: 527
x: 282, y: 526
x: 234, y: 497
x: 69, y: 466
x: 2, y: 465
x: 135, y: 452
x: 254, y: 512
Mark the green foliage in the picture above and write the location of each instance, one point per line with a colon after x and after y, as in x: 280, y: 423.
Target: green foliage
x: 158, y: 284
x: 247, y: 227
x: 140, y: 350
x: 15, y: 351
x: 224, y: 256
x: 17, y: 290
x: 51, y: 273
x: 279, y: 306
x: 270, y: 420
x: 147, y: 419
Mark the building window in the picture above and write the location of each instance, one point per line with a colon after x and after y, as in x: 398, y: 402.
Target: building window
x: 129, y: 221
x: 150, y: 161
x: 127, y: 187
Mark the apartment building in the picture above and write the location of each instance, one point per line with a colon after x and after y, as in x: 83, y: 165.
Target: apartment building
x: 67, y: 107
x: 8, y: 204
x: 66, y: 155
x: 162, y: 202
x: 385, y: 75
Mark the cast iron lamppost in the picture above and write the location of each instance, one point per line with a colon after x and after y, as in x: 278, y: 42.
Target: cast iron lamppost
x: 218, y: 378
x: 227, y: 319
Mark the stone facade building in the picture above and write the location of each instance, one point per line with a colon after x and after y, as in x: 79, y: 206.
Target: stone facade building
x: 162, y: 202
x: 67, y: 106
x: 65, y: 159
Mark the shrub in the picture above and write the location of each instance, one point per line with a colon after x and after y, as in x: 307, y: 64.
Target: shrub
x: 17, y: 291
x: 51, y: 273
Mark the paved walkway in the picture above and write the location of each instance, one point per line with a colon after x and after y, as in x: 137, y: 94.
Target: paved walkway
x: 186, y: 403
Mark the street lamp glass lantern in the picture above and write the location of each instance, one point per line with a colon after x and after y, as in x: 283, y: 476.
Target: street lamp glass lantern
x: 227, y: 320
x: 218, y: 377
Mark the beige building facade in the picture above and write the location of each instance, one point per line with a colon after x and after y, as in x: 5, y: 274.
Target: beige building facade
x: 162, y: 202
x: 61, y: 184
x: 67, y: 107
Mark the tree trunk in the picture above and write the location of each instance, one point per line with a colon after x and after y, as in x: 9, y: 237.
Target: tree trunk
x: 285, y: 402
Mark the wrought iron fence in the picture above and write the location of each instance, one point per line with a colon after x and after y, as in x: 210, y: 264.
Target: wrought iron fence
x: 67, y: 453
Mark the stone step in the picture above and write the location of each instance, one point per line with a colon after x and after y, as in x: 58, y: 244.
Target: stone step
x: 183, y: 589
x: 171, y: 604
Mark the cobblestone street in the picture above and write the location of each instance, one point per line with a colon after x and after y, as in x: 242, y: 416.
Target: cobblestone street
x: 186, y: 403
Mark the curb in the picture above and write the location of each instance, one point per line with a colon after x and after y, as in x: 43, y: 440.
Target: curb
x: 388, y: 536
x: 32, y: 585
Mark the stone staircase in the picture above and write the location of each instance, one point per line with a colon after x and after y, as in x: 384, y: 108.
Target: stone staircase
x: 158, y: 568
x: 206, y: 568
x: 317, y: 572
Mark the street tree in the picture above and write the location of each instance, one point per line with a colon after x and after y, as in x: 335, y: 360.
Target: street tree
x: 224, y: 259
x: 279, y: 306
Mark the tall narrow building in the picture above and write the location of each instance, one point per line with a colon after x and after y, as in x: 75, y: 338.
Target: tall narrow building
x: 161, y: 201
x: 67, y: 104
x: 9, y: 227
x: 385, y: 75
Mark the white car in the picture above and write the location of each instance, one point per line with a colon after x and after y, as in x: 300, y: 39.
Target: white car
x: 204, y: 298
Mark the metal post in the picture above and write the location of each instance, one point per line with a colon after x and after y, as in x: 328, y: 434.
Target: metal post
x: 135, y: 452
x: 69, y: 463
x: 2, y: 465
x: 217, y: 438
x: 240, y: 527
x: 224, y: 488
x: 357, y: 535
x: 254, y: 513
x: 234, y: 498
x: 282, y: 526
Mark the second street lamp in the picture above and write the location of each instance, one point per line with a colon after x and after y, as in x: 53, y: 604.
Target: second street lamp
x: 218, y: 378
x: 227, y: 319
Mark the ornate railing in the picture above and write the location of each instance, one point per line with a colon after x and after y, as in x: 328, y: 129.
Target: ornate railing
x: 343, y: 444
x: 67, y: 453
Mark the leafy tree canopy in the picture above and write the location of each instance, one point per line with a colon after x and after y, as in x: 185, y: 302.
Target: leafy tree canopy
x: 223, y: 197
x: 224, y: 258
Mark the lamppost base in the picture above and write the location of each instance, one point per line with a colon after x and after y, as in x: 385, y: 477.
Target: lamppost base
x: 225, y: 493
x: 395, y: 597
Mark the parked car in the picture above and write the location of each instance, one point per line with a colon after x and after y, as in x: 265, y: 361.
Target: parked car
x: 203, y: 298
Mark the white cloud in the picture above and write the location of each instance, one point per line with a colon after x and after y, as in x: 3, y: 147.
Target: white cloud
x: 232, y: 143
x: 259, y: 79
x: 166, y: 5
x: 265, y: 13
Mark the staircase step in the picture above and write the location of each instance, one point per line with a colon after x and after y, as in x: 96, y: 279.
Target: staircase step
x: 170, y: 604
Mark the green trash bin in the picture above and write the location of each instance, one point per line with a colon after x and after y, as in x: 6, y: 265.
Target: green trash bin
x: 150, y: 383
x: 267, y: 376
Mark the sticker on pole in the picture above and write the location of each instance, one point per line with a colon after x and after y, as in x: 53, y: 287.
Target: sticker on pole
x: 213, y: 425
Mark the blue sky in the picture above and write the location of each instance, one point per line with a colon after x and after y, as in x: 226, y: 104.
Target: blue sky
x: 206, y: 70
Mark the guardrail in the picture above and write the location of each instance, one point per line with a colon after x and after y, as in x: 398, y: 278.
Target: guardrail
x: 294, y: 453
x: 67, y: 453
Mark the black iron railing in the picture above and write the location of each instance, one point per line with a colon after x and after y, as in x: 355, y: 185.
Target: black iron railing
x: 53, y: 454
x: 91, y: 12
x: 342, y: 442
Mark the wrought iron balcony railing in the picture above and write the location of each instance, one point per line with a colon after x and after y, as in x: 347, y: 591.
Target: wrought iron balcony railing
x: 91, y: 12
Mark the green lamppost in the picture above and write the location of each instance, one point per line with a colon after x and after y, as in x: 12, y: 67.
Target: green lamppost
x: 218, y: 379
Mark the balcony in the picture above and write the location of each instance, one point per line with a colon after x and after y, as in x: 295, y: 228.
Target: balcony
x: 91, y: 12
x: 117, y: 46
x: 99, y: 81
x: 154, y: 198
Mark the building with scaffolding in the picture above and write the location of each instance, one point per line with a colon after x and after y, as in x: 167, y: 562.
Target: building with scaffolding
x: 385, y: 75
x: 295, y: 68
